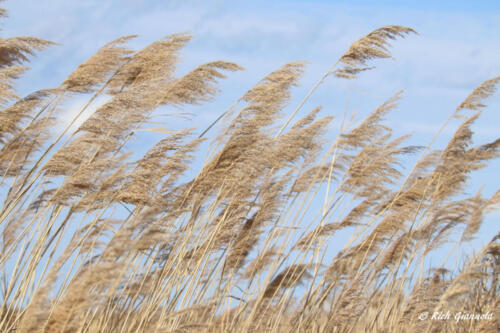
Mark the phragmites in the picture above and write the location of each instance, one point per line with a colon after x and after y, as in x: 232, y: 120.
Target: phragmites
x: 120, y: 227
x: 196, y: 86
x: 12, y: 117
x: 154, y: 63
x: 161, y: 165
x: 106, y: 132
x: 371, y: 127
x: 16, y: 50
x: 372, y: 46
x: 99, y: 67
x: 475, y: 99
x: 275, y: 87
x: 249, y: 149
x: 24, y: 132
x: 7, y: 76
x: 289, y: 277
x: 451, y: 173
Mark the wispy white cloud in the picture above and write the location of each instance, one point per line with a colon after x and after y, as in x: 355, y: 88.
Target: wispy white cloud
x: 76, y: 107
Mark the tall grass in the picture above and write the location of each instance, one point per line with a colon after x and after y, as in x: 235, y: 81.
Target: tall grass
x: 95, y: 240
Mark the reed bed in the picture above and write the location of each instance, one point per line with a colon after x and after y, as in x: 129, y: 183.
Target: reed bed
x: 94, y: 239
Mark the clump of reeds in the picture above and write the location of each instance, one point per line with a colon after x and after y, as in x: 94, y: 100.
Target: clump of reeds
x: 96, y: 238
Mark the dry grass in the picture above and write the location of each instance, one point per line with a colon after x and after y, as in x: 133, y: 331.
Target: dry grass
x: 94, y: 240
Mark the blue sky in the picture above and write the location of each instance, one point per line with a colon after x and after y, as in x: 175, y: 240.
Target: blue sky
x: 457, y: 48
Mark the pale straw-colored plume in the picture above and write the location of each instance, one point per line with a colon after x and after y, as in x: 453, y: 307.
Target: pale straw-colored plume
x: 17, y: 50
x: 98, y: 68
x: 11, y: 118
x: 7, y: 76
x: 154, y: 63
x: 475, y: 99
x: 372, y: 46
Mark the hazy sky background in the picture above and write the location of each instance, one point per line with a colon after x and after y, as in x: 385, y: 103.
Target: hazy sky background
x: 457, y: 48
